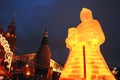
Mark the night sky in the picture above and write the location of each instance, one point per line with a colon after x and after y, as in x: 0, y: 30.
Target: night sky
x: 33, y: 16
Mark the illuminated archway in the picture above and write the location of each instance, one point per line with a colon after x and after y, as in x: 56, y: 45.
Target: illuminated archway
x: 8, y: 53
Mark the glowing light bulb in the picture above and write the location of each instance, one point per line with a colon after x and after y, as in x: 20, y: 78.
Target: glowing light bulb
x: 28, y: 73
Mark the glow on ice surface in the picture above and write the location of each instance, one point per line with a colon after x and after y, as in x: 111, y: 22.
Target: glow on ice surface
x: 85, y: 61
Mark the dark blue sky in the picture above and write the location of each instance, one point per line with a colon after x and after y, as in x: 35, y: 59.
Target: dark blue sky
x: 33, y: 16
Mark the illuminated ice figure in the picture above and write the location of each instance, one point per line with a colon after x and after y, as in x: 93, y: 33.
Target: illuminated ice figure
x: 85, y: 61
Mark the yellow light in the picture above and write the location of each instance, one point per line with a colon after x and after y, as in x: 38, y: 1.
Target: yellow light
x: 8, y: 34
x: 26, y: 65
x: 28, y: 73
x: 85, y: 61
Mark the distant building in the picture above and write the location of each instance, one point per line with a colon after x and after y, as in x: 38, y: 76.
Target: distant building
x: 25, y: 64
x: 43, y: 58
x: 38, y: 65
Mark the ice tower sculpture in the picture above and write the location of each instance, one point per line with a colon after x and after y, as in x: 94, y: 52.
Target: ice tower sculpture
x: 85, y: 61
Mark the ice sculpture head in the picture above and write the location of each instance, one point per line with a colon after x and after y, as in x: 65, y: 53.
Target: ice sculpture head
x: 85, y: 15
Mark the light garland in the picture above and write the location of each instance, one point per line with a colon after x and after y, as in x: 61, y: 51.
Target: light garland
x: 8, y: 53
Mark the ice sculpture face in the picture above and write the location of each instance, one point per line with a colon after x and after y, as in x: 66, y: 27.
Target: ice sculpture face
x: 85, y: 61
x: 85, y: 15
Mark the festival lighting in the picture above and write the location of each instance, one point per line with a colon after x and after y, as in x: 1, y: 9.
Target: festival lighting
x: 8, y: 54
x: 28, y: 73
x: 85, y: 61
x: 27, y: 68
